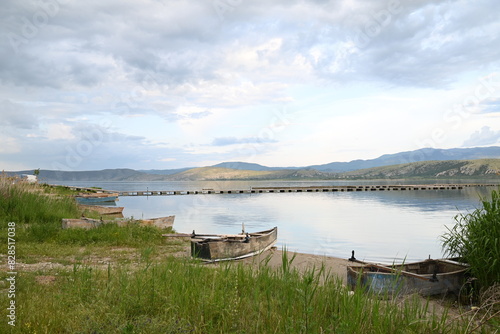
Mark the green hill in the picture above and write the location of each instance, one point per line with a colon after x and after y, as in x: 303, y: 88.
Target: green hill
x: 219, y: 173
x: 427, y: 169
x: 432, y: 169
x: 480, y: 168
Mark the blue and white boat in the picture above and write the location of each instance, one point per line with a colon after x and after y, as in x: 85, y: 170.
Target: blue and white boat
x: 96, y: 198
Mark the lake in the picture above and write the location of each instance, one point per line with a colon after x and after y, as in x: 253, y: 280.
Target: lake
x: 381, y: 226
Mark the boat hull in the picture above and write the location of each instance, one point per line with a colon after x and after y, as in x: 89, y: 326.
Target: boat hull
x: 96, y: 198
x: 431, y: 277
x: 162, y: 222
x: 88, y: 223
x: 233, y: 247
x: 103, y: 210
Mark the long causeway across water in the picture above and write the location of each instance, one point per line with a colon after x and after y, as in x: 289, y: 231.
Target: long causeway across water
x: 255, y: 190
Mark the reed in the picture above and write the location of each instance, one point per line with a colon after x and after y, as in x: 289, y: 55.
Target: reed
x: 476, y: 239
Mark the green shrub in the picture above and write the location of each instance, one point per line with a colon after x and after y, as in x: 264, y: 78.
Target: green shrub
x: 476, y: 239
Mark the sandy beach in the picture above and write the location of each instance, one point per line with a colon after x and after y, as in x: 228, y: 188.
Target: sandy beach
x: 333, y: 265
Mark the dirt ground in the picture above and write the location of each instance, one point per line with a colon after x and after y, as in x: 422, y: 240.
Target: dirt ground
x: 332, y: 265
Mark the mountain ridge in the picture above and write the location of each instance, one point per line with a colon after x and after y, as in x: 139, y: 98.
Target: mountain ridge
x: 244, y: 170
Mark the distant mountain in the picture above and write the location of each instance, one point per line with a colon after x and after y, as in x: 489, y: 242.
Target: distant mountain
x: 425, y: 154
x: 217, y: 173
x: 431, y: 169
x: 220, y: 173
x: 164, y: 171
x: 404, y: 164
x: 97, y: 175
x: 246, y: 166
x: 252, y: 166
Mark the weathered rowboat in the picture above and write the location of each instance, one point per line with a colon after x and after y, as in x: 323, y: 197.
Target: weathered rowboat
x: 161, y: 222
x: 93, y: 198
x: 429, y: 277
x: 88, y: 223
x: 232, y: 247
x: 85, y: 223
x: 102, y: 210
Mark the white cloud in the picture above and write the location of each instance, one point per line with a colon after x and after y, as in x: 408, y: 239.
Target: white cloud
x: 485, y: 136
x: 167, y: 159
x: 59, y: 131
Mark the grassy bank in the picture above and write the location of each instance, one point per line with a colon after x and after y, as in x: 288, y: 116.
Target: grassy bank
x: 37, y: 211
x: 177, y: 296
x: 138, y: 286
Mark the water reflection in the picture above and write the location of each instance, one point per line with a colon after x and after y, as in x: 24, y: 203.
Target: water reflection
x: 379, y: 226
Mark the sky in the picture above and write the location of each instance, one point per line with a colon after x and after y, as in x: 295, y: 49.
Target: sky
x: 164, y: 84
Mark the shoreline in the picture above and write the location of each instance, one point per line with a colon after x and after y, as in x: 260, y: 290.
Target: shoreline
x: 302, y: 262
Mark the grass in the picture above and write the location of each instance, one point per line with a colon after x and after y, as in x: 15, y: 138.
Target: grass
x: 119, y: 280
x: 476, y: 239
x: 179, y: 296
x: 37, y: 212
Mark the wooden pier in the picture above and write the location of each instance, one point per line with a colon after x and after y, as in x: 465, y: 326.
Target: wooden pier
x: 309, y: 189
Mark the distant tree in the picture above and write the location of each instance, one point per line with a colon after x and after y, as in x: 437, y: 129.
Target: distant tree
x: 36, y: 172
x: 476, y: 239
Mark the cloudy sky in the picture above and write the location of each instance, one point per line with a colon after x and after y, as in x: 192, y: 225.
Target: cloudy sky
x: 165, y: 84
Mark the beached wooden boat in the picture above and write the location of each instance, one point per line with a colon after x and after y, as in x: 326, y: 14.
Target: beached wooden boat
x: 85, y: 223
x: 430, y: 277
x: 161, y: 222
x: 232, y: 247
x: 88, y: 223
x: 93, y: 198
x: 102, y: 210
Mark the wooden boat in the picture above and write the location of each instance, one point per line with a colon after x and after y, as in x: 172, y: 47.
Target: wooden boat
x: 88, y: 223
x: 85, y: 223
x: 102, y: 210
x: 93, y: 198
x: 232, y: 247
x: 430, y: 277
x: 161, y: 222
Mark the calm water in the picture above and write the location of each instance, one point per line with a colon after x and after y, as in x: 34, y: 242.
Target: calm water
x: 382, y: 226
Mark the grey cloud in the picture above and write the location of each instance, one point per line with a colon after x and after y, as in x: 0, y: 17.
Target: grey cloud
x: 421, y: 43
x: 485, y: 136
x: 433, y: 44
x: 97, y: 134
x: 184, y: 42
x: 15, y: 115
x: 90, y: 152
x: 72, y: 45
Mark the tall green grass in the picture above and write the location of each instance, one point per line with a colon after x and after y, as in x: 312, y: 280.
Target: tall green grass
x: 37, y: 211
x: 179, y: 296
x: 27, y: 203
x: 476, y: 239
